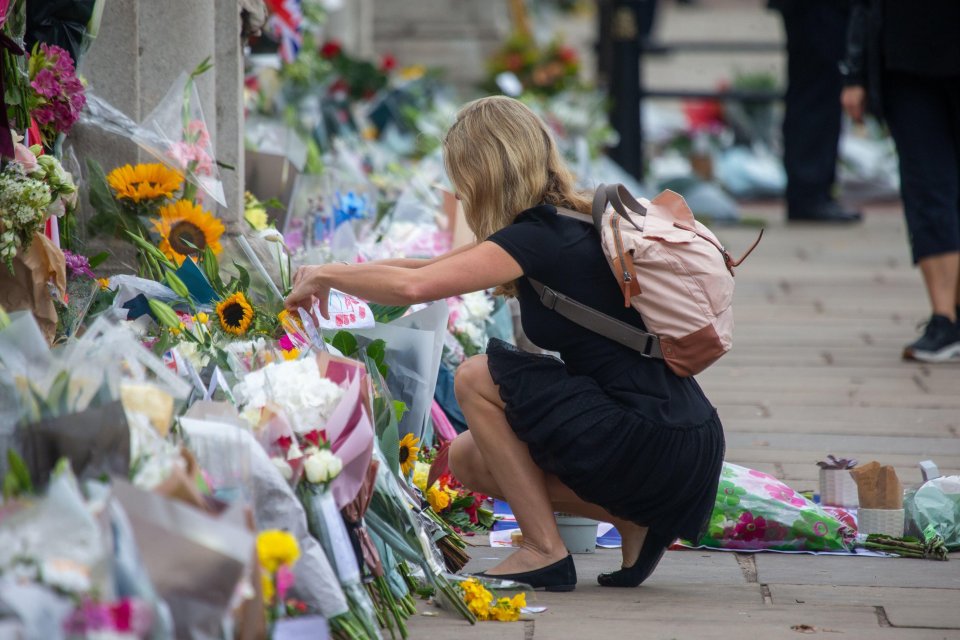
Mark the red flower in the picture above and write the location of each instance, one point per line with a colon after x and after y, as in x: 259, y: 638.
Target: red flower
x: 514, y: 62
x: 316, y: 436
x: 284, y: 442
x: 567, y: 54
x: 339, y: 85
x: 331, y: 49
x: 388, y: 62
x: 749, y: 527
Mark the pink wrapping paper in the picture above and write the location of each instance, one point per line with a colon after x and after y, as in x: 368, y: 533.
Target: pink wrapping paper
x: 441, y: 424
x: 350, y: 433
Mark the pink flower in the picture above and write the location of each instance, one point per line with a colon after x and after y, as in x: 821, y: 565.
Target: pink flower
x: 784, y: 493
x: 197, y: 132
x: 749, y: 527
x: 24, y: 157
x: 45, y: 84
x: 761, y: 474
x: 284, y: 581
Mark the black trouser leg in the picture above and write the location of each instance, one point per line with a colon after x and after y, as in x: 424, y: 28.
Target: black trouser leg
x: 816, y: 34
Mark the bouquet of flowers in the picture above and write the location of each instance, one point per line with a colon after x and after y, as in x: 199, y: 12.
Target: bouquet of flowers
x: 543, y: 70
x: 57, y: 94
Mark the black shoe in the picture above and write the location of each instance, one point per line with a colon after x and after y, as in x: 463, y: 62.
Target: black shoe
x: 633, y: 576
x: 559, y: 576
x: 830, y: 212
x: 940, y: 342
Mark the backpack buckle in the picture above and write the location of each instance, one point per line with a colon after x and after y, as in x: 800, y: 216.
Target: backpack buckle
x: 549, y: 298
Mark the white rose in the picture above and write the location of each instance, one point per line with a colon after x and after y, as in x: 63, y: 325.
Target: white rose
x: 322, y: 466
x: 283, y: 467
x: 294, y: 452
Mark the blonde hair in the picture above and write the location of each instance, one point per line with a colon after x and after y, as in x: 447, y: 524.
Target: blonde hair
x: 502, y: 159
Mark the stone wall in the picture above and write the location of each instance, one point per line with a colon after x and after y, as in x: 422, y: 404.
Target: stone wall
x: 143, y: 46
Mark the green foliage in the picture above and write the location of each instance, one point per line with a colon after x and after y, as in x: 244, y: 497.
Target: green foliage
x: 385, y: 314
x: 109, y: 217
x: 17, y: 480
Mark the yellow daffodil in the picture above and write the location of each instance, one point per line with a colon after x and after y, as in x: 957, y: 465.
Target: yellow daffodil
x: 276, y: 548
x: 235, y: 314
x: 144, y: 182
x: 408, y: 452
x: 186, y: 229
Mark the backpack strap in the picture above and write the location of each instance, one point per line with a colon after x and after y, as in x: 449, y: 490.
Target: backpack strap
x: 647, y: 344
x: 599, y: 206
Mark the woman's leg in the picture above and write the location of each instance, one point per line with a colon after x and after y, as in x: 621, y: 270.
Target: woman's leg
x: 470, y: 468
x: 941, y: 275
x: 522, y: 483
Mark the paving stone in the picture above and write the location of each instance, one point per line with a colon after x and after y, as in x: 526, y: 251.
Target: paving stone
x: 850, y: 595
x: 858, y: 571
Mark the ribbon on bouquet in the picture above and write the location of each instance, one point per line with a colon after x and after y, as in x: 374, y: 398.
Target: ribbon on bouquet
x: 7, y: 44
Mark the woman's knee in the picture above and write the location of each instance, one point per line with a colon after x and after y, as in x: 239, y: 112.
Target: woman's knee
x: 470, y: 377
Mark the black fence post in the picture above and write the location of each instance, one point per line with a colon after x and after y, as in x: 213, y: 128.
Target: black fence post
x: 624, y: 83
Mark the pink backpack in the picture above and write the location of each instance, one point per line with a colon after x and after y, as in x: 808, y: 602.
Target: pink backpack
x: 671, y: 269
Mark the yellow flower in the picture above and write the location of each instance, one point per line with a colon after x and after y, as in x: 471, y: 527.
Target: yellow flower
x: 175, y: 331
x: 413, y: 72
x: 266, y: 585
x: 276, y: 548
x: 235, y: 313
x: 421, y: 471
x: 186, y: 229
x: 254, y: 212
x: 202, y: 318
x: 293, y: 354
x: 519, y: 601
x: 144, y: 182
x: 408, y: 452
x: 104, y: 283
x: 479, y: 607
x: 370, y: 133
x: 438, y: 498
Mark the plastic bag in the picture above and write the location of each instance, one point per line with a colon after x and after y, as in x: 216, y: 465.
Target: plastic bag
x: 937, y: 505
x: 755, y: 511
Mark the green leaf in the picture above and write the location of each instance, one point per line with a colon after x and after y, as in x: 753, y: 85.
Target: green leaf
x: 387, y: 313
x: 400, y: 409
x: 377, y: 350
x: 390, y: 445
x: 99, y: 259
x: 462, y: 503
x: 243, y: 282
x: 101, y: 198
x: 18, y: 472
x: 345, y: 342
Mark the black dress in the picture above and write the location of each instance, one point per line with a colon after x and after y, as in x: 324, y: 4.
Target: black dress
x: 621, y: 430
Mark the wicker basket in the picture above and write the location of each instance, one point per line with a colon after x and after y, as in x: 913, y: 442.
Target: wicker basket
x: 889, y: 522
x: 838, y: 489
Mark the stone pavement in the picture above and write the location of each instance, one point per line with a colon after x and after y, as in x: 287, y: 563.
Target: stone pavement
x: 822, y: 314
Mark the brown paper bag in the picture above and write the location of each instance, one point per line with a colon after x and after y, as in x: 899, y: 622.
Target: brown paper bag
x: 26, y: 288
x: 878, y: 487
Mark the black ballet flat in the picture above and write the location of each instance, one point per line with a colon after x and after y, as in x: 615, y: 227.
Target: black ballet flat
x: 633, y: 576
x: 559, y: 576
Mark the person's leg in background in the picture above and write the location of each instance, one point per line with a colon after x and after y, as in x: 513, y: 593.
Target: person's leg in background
x: 922, y: 116
x: 816, y: 36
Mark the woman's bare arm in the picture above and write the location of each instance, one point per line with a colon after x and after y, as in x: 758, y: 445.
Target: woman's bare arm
x: 468, y: 269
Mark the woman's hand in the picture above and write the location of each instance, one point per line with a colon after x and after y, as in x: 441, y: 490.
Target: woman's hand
x: 854, y: 101
x: 308, y: 288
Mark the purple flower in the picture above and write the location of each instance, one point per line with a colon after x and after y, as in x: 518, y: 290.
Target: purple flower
x: 45, y: 84
x: 43, y: 115
x: 78, y: 265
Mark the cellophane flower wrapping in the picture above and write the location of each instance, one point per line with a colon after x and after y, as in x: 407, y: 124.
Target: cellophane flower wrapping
x: 176, y: 133
x: 755, y: 511
x: 276, y: 507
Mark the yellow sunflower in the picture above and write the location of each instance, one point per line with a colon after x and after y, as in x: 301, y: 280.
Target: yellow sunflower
x: 186, y: 229
x: 408, y: 453
x: 235, y: 313
x: 144, y: 182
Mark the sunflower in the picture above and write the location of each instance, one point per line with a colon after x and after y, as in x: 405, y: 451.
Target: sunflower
x: 186, y: 229
x: 408, y: 452
x: 144, y: 182
x: 235, y: 314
